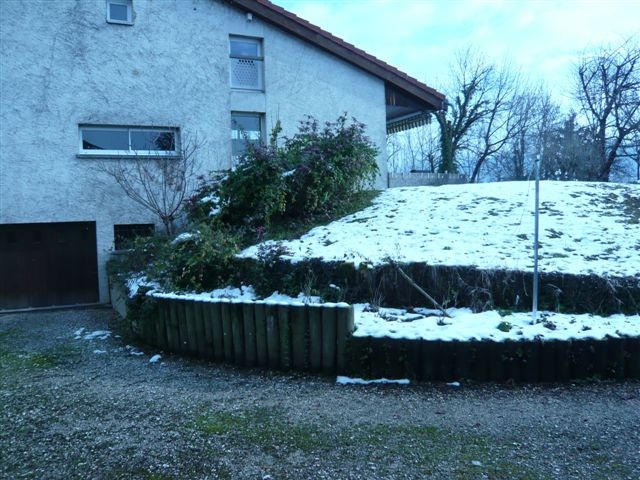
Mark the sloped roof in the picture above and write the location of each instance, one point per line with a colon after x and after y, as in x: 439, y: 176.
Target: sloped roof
x: 299, y: 27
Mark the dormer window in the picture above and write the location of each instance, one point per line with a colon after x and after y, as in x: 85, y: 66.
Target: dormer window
x: 120, y: 11
x: 246, y: 63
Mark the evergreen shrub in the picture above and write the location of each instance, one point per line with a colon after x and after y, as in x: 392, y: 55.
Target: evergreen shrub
x: 314, y: 173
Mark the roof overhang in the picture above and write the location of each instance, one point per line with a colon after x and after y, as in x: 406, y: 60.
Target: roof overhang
x: 423, y: 98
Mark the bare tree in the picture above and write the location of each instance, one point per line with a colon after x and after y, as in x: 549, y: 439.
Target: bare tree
x: 632, y: 151
x: 501, y: 122
x: 482, y: 118
x: 513, y: 161
x: 158, y: 183
x: 608, y: 92
x: 470, y: 80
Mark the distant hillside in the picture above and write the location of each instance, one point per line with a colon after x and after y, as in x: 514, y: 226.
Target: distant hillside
x: 584, y: 228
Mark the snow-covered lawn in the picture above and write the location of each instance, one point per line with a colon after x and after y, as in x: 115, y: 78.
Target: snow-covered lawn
x: 584, y: 228
x: 423, y: 324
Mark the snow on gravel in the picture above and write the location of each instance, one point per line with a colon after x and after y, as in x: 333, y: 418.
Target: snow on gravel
x: 584, y: 228
x: 342, y: 380
x: 81, y: 333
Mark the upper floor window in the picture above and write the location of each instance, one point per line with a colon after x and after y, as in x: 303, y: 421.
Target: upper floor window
x: 246, y: 63
x: 133, y: 141
x: 120, y: 11
x: 246, y: 129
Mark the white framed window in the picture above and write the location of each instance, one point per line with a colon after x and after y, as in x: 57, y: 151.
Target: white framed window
x: 128, y: 141
x: 120, y: 11
x: 247, y: 60
x: 246, y: 129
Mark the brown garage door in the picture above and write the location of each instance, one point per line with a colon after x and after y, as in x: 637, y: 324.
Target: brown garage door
x: 48, y: 264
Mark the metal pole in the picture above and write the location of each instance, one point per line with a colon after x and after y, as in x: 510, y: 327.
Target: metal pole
x: 534, y: 312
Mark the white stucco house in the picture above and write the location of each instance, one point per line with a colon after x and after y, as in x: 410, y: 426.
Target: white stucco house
x: 81, y: 80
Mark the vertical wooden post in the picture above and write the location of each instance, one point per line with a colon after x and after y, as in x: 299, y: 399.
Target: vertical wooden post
x: 563, y: 360
x: 237, y: 329
x: 547, y: 361
x: 600, y: 358
x: 261, y: 334
x: 191, y: 328
x: 579, y: 359
x: 481, y: 361
x: 201, y: 338
x: 329, y: 339
x: 249, y: 325
x: 344, y: 329
x: 463, y: 352
x: 446, y: 361
x: 217, y: 334
x: 284, y: 326
x: 314, y: 314
x: 616, y: 357
x: 161, y: 323
x: 207, y: 328
x: 531, y: 368
x: 227, y: 334
x: 173, y: 333
x: 273, y: 335
x: 632, y: 363
x: 496, y: 365
x: 299, y: 337
x: 429, y: 360
x: 182, y: 326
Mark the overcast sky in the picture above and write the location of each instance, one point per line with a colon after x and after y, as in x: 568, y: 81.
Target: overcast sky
x: 543, y: 38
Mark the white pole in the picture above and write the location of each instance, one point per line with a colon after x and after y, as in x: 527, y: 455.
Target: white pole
x: 534, y: 312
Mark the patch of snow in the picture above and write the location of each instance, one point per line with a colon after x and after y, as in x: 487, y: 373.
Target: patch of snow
x: 341, y: 380
x: 466, y: 325
x: 213, y: 198
x: 584, y: 229
x: 243, y: 293
x: 186, y: 237
x: 156, y: 358
x: 300, y: 299
x: 133, y: 350
x: 134, y: 282
x: 95, y: 335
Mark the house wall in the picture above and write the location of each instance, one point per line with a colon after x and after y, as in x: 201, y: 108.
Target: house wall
x: 63, y: 65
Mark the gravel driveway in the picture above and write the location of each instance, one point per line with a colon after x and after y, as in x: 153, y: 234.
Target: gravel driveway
x: 79, y: 404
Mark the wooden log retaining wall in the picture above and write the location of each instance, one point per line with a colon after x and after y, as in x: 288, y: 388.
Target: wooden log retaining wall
x: 516, y: 361
x: 318, y: 338
x: 254, y: 334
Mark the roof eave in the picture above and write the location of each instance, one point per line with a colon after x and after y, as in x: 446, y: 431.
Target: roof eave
x: 289, y: 22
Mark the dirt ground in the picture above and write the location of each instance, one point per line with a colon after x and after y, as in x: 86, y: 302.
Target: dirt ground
x: 79, y: 404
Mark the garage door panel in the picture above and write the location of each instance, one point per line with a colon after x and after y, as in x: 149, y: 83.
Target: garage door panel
x: 48, y: 264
